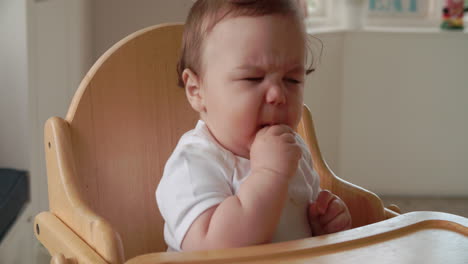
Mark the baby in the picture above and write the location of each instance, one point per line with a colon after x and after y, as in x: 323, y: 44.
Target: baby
x: 242, y: 176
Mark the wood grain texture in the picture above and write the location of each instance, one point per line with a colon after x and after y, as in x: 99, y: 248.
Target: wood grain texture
x: 125, y: 121
x: 60, y: 259
x: 67, y: 200
x: 63, y: 244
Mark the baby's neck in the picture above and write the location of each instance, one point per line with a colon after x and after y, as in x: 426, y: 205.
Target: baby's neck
x: 242, y: 154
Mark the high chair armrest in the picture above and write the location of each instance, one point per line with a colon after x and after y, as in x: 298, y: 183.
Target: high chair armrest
x: 390, y: 212
x: 364, y: 206
x: 59, y: 239
x: 66, y: 200
x: 394, y: 208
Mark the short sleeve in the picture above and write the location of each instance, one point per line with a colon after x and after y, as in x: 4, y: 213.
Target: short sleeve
x: 196, y: 178
x: 311, y: 176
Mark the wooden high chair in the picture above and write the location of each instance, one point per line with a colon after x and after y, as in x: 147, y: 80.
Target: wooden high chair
x: 105, y: 159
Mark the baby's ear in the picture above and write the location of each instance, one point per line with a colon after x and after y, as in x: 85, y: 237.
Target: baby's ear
x: 193, y: 90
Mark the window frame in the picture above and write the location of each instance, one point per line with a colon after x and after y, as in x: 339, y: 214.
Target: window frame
x: 322, y: 17
x: 330, y: 15
x: 432, y: 18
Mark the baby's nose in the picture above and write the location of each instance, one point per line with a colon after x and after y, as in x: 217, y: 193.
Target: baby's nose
x: 275, y: 94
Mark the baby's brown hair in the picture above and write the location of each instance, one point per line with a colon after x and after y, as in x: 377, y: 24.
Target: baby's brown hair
x: 205, y: 14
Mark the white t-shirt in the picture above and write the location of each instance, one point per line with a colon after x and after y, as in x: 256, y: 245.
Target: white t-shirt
x: 200, y: 173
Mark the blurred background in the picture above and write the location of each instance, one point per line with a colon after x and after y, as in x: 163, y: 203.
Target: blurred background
x: 389, y: 96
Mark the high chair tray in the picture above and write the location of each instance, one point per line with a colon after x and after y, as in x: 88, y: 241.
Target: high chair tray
x: 417, y: 237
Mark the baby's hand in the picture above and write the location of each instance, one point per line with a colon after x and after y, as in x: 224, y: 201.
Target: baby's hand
x: 328, y: 214
x: 275, y: 149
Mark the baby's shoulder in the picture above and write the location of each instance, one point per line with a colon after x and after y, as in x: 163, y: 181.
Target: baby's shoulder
x: 197, y: 149
x: 196, y: 160
x: 199, y: 142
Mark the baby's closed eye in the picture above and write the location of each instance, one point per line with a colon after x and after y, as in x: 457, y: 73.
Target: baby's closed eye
x: 261, y: 78
x: 254, y: 79
x: 292, y: 80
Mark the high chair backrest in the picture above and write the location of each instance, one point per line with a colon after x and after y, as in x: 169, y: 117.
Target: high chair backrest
x: 106, y: 158
x: 123, y: 123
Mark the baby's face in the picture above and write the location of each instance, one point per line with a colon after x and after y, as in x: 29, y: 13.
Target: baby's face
x: 253, y: 76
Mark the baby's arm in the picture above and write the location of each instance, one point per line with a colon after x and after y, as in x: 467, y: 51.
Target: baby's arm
x: 251, y: 216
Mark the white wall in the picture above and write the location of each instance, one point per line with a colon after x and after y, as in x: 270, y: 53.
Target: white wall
x: 14, y: 128
x: 54, y: 59
x: 61, y: 43
x: 13, y: 85
x: 115, y: 19
x: 323, y: 95
x: 404, y: 111
x: 390, y: 110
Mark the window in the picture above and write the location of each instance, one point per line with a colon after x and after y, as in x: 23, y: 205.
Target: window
x: 466, y: 14
x: 376, y: 13
x: 406, y: 8
x: 404, y: 13
x: 315, y: 8
x: 319, y: 13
